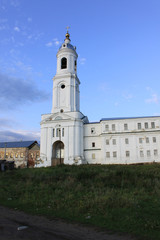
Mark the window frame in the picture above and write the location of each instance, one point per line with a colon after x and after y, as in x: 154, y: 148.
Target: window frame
x: 107, y: 141
x: 126, y: 141
x: 125, y: 126
x: 64, y: 63
x: 153, y: 125
x: 154, y: 139
x: 107, y: 154
x: 114, y: 154
x: 146, y: 125
x: 148, y: 153
x: 113, y: 127
x: 127, y: 153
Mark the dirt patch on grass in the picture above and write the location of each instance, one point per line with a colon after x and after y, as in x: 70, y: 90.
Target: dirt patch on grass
x: 40, y: 228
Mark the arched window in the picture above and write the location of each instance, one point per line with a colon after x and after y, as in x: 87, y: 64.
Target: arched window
x: 75, y: 65
x: 63, y: 63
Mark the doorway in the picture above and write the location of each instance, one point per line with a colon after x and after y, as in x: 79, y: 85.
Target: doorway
x: 57, y: 153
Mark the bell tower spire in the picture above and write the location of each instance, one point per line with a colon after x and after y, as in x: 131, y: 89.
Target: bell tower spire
x: 66, y: 82
x: 67, y: 40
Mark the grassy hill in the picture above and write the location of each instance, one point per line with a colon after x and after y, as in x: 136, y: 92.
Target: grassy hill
x: 115, y: 197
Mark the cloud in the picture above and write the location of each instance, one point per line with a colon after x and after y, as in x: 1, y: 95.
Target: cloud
x: 21, y: 135
x: 17, y: 29
x: 6, y: 123
x: 55, y: 42
x: 15, y: 92
x: 49, y: 44
x: 154, y: 96
x: 128, y: 96
x: 15, y: 3
x: 154, y: 99
x: 29, y: 19
x: 82, y: 61
x: 103, y: 86
x: 3, y: 24
x: 116, y: 104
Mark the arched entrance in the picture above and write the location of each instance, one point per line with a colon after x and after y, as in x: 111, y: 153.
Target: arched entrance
x: 57, y: 153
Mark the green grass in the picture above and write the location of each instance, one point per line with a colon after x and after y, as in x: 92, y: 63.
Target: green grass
x: 114, y: 197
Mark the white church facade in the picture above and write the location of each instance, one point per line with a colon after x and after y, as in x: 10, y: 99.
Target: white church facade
x: 68, y: 137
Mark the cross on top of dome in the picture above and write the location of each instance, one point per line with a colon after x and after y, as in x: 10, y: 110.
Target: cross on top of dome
x: 67, y: 34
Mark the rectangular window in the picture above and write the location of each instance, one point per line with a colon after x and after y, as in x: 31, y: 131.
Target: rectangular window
x: 141, y: 154
x: 107, y: 127
x: 37, y: 154
x: 139, y: 126
x: 125, y: 126
x: 146, y: 125
x: 11, y: 155
x: 107, y: 141
x: 140, y: 140
x: 113, y: 127
x: 147, y: 139
x: 127, y: 153
x: 62, y: 132
x: 148, y: 153
x: 6, y: 155
x: 154, y: 139
x: 126, y: 141
x: 107, y: 154
x: 93, y: 144
x: 93, y: 156
x: 152, y: 124
x: 114, y: 154
x: 58, y: 132
x: 155, y: 152
x: 21, y: 155
x: 93, y: 130
x: 53, y: 132
x: 114, y: 141
x: 16, y: 155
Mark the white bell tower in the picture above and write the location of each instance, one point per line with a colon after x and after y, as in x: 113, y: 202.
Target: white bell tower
x: 66, y: 82
x: 62, y: 129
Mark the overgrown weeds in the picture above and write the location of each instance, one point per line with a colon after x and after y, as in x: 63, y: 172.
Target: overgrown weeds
x: 115, y: 197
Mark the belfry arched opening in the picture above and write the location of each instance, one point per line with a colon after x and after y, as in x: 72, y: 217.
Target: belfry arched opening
x: 57, y: 153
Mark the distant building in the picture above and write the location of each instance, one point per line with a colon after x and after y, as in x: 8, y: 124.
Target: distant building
x: 24, y: 153
x: 68, y: 137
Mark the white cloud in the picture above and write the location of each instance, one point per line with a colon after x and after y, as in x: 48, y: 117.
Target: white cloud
x: 17, y: 29
x: 15, y: 3
x: 116, y: 104
x: 128, y: 96
x: 2, y: 27
x: 17, y: 92
x: 82, y: 61
x: 56, y: 42
x: 3, y: 24
x: 19, y: 135
x: 49, y: 44
x: 29, y: 19
x: 153, y: 99
x: 154, y: 96
x: 103, y: 86
x: 157, y: 114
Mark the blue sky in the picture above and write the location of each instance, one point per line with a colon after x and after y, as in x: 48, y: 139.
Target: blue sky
x: 118, y: 43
